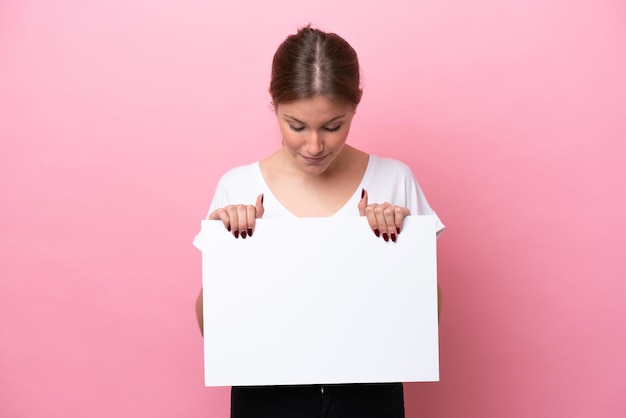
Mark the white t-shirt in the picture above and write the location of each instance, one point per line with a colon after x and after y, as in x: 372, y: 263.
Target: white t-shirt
x: 385, y: 179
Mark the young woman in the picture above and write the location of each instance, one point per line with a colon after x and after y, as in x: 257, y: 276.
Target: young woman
x: 315, y: 89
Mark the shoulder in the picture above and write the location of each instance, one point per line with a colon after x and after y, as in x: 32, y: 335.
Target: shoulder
x: 390, y: 180
x: 241, y: 184
x: 240, y: 173
x: 238, y: 182
x: 390, y: 166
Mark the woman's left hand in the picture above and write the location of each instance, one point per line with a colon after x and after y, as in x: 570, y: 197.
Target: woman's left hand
x: 385, y: 219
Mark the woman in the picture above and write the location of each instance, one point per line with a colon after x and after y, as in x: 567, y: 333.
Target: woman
x: 315, y: 89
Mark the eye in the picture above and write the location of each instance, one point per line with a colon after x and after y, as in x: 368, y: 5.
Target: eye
x: 296, y: 128
x: 332, y: 128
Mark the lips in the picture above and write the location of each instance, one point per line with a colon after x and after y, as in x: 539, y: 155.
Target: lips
x: 314, y: 160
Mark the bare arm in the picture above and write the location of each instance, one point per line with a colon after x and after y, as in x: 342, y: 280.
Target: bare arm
x: 199, y: 312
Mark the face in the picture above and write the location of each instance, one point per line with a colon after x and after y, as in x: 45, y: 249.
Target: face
x: 314, y: 132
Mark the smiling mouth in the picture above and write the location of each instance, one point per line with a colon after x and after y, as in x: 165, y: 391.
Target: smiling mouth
x: 314, y: 160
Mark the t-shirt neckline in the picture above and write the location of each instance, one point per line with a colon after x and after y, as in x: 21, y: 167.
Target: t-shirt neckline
x: 347, y: 209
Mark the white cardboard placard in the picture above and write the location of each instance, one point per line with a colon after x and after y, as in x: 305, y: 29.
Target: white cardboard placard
x: 319, y: 301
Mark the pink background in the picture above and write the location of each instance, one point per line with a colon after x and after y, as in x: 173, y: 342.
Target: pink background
x: 117, y: 117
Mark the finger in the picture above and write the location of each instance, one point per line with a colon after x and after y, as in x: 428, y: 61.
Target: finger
x: 231, y: 212
x: 214, y: 215
x: 363, y: 202
x: 220, y: 214
x: 255, y: 212
x: 400, y: 214
x: 242, y: 218
x: 394, y: 217
x: 260, y: 210
x: 250, y: 216
x: 379, y: 212
x: 371, y: 219
x: 390, y: 221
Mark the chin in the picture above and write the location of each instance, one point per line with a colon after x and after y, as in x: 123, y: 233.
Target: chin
x: 315, y: 170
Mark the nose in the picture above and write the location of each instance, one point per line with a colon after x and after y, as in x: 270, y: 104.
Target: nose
x: 315, y: 145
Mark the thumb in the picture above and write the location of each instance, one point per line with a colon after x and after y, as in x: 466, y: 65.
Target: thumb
x: 363, y: 202
x: 259, y: 206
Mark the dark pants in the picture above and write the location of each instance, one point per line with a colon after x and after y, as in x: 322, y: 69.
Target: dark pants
x: 315, y: 401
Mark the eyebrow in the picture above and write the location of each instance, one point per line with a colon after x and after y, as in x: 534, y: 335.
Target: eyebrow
x: 299, y: 121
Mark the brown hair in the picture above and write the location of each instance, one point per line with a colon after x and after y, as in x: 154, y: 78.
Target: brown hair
x: 313, y: 62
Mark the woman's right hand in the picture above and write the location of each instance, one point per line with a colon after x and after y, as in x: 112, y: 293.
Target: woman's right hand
x: 240, y: 219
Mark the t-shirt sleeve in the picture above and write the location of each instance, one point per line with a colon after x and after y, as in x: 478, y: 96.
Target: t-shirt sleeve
x: 420, y: 204
x: 393, y: 181
x: 220, y: 199
x: 239, y: 185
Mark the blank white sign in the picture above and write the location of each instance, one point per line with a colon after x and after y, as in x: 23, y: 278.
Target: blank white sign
x: 319, y: 301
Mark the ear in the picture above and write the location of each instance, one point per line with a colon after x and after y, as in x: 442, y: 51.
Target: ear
x: 272, y: 105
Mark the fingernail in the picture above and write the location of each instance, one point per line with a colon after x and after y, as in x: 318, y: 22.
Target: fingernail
x: 228, y: 228
x: 398, y: 230
x: 262, y: 197
x: 377, y: 232
x: 236, y: 234
x: 243, y: 234
x: 393, y: 237
x: 249, y: 232
x: 385, y: 237
x: 362, y: 193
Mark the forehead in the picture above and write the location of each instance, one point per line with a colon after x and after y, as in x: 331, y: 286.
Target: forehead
x: 318, y: 108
